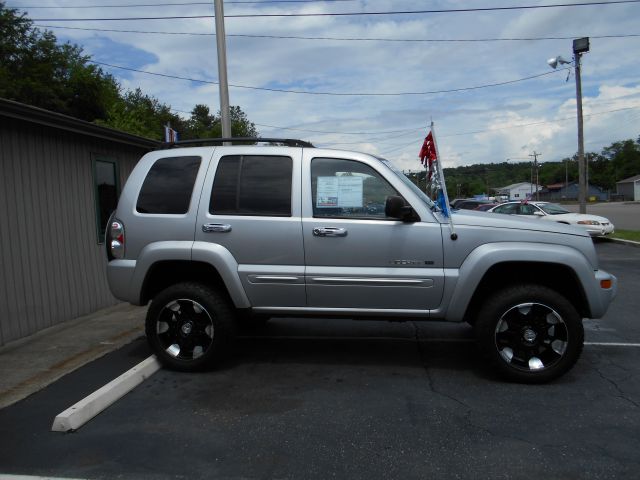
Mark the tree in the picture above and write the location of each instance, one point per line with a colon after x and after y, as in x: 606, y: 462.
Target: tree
x: 203, y: 124
x: 140, y: 114
x: 36, y: 70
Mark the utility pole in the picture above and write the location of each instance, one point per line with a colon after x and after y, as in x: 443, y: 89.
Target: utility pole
x: 535, y: 166
x: 222, y: 69
x: 580, y: 46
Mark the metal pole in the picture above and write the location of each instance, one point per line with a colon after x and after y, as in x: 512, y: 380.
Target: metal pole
x: 582, y: 197
x: 536, y: 168
x: 222, y: 69
x: 453, y: 235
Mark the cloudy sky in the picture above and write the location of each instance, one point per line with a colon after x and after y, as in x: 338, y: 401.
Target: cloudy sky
x: 462, y: 50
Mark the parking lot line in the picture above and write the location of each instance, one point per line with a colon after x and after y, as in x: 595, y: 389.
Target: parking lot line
x: 83, y: 411
x: 407, y: 339
x: 4, y: 476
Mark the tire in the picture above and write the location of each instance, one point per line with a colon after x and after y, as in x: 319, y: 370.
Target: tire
x: 530, y: 333
x: 189, y: 326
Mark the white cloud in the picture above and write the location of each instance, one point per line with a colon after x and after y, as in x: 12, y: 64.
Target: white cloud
x: 610, y: 74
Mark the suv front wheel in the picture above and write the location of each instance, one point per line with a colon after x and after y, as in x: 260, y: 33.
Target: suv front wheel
x: 189, y: 325
x: 531, y: 333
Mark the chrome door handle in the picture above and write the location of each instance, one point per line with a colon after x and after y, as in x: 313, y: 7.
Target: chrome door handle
x: 216, y: 227
x: 330, y: 232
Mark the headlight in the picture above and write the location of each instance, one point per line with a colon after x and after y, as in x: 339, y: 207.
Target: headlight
x: 588, y: 222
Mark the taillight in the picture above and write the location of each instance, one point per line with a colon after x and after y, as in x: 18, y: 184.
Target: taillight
x: 116, y: 239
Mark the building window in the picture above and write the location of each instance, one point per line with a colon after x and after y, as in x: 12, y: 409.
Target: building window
x: 105, y: 181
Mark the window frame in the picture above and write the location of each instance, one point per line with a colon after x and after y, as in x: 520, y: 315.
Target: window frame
x: 95, y: 158
x: 191, y: 194
x: 239, y: 184
x: 350, y: 217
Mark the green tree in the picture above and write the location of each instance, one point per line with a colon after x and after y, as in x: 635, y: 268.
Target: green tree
x: 203, y: 124
x: 140, y: 114
x: 36, y: 70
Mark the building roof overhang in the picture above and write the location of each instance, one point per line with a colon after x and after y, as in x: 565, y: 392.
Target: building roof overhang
x: 40, y: 116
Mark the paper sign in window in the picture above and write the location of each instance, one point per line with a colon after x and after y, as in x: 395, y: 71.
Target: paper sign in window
x: 339, y: 192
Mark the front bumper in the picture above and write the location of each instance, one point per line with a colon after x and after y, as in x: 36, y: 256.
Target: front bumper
x: 601, y: 297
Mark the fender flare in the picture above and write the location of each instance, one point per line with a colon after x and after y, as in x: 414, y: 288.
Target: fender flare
x: 481, y: 259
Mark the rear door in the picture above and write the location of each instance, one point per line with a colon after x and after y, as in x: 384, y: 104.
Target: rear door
x: 251, y: 207
x: 356, y: 257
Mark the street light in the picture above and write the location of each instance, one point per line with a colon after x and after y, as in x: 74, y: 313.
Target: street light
x: 580, y: 46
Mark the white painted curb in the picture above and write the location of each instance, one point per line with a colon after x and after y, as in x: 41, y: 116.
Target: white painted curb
x: 87, y: 408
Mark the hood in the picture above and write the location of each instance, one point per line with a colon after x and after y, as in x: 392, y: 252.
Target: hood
x: 501, y: 220
x: 576, y: 217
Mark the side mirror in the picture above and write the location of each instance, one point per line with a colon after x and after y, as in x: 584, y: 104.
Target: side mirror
x: 538, y: 213
x: 396, y: 207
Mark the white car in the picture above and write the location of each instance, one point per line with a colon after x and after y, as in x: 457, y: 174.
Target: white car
x: 595, y: 225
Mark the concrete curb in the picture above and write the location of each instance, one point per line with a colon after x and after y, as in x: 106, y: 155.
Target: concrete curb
x: 30, y: 364
x: 87, y: 408
x: 629, y: 243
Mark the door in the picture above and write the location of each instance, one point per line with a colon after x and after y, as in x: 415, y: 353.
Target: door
x: 251, y: 206
x: 357, y: 258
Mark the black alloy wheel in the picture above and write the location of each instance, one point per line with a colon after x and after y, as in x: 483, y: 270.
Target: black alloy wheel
x: 189, y: 325
x: 531, y: 333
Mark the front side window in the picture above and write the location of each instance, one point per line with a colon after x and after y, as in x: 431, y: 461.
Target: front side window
x: 252, y: 185
x: 553, y: 209
x: 348, y: 189
x: 169, y: 186
x: 507, y: 208
x: 105, y: 175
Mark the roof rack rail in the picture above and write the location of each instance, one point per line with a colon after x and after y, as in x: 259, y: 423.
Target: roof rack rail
x: 289, y: 142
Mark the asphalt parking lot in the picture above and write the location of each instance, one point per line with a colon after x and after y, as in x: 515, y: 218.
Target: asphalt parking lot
x: 330, y: 399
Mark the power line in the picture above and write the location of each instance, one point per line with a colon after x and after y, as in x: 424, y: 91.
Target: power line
x: 341, y: 133
x: 345, y: 39
x: 513, y: 126
x: 537, y: 123
x: 58, y: 7
x: 343, y: 14
x: 361, y: 94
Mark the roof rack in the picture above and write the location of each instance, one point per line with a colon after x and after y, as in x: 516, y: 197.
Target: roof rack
x: 289, y: 142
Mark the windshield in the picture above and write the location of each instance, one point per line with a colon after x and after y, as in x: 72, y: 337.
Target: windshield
x: 553, y: 209
x: 423, y: 196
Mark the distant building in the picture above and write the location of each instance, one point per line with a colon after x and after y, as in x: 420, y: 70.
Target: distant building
x: 517, y: 191
x: 60, y: 178
x: 629, y: 188
x: 558, y: 192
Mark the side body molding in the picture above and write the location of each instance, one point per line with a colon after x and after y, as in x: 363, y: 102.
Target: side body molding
x: 480, y: 260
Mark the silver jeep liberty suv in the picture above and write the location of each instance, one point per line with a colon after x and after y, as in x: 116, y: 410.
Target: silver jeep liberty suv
x: 212, y: 235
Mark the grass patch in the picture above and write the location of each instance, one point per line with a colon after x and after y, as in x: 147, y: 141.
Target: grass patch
x: 627, y: 235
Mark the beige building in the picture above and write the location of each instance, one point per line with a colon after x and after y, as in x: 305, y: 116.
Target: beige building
x: 60, y: 178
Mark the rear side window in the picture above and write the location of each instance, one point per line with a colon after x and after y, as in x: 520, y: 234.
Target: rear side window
x: 168, y: 186
x: 252, y: 185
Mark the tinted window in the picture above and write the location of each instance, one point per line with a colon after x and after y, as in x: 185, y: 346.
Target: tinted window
x: 169, y: 185
x: 348, y: 189
x: 526, y: 209
x: 252, y: 185
x: 507, y: 208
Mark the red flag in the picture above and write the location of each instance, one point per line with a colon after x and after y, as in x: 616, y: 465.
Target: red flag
x: 428, y: 152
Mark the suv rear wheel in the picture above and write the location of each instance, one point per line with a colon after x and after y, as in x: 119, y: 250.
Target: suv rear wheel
x: 189, y: 325
x: 531, y: 333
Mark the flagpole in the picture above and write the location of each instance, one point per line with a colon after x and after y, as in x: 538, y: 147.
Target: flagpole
x: 443, y: 185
